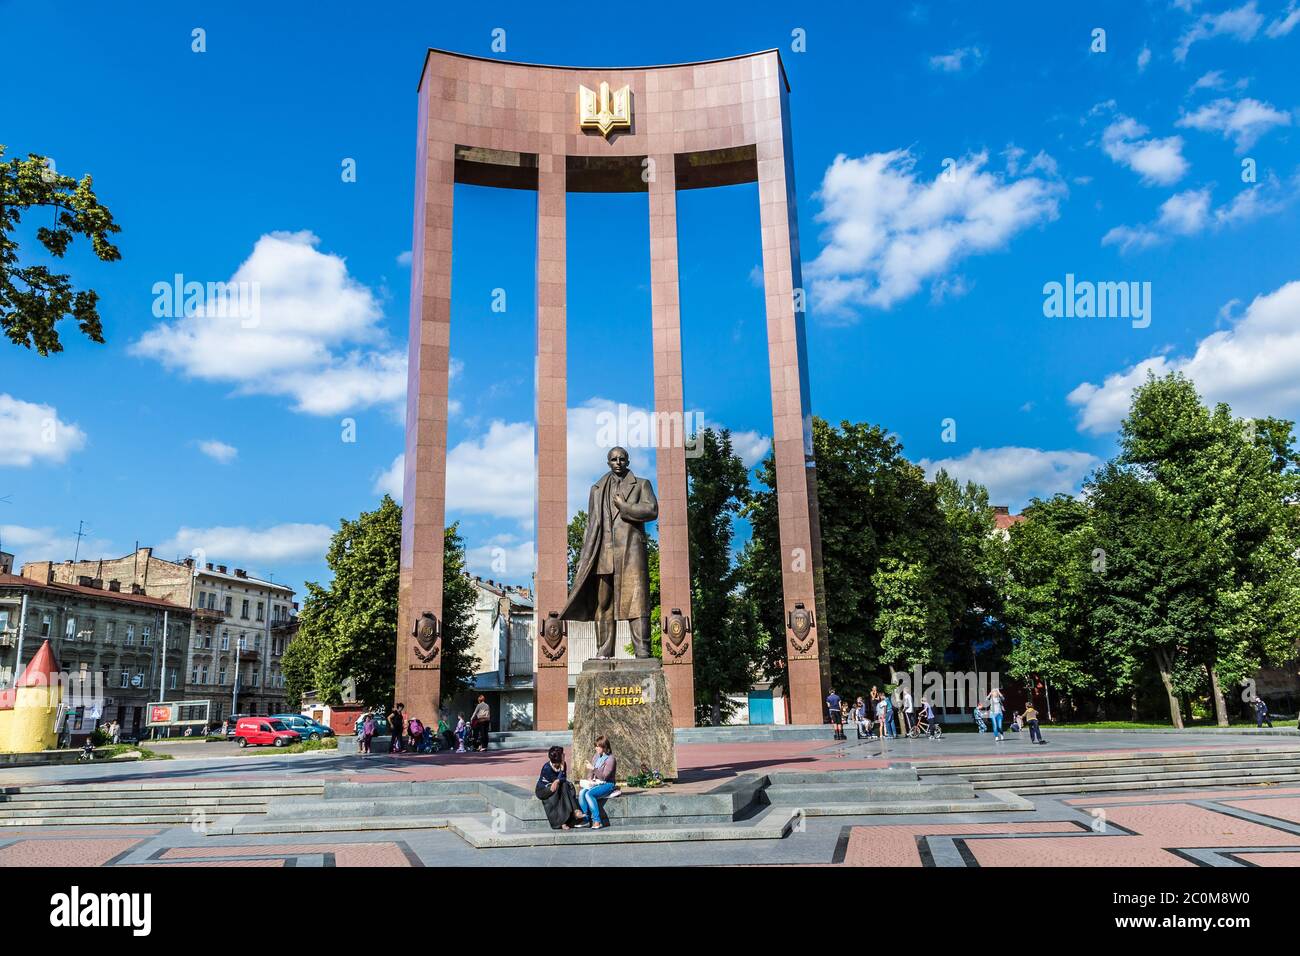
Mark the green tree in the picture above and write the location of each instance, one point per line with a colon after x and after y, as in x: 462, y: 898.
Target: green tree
x: 33, y: 299
x: 1227, y: 488
x: 349, y: 628
x: 726, y: 639
x: 874, y: 504
x: 1045, y: 601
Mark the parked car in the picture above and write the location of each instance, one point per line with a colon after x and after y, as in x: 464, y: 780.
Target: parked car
x: 264, y: 731
x: 307, y: 728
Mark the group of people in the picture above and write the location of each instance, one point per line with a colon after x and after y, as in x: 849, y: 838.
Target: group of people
x: 414, y: 736
x: 567, y: 806
x: 992, y: 711
x: 881, y: 715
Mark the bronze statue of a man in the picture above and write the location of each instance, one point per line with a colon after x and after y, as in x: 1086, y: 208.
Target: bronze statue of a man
x: 613, y: 580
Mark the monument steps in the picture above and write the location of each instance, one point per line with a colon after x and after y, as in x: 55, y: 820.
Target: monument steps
x: 162, y: 803
x: 386, y: 807
x: 1131, y: 771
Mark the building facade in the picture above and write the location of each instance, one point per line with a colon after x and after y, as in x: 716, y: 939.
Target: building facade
x: 239, y: 627
x: 136, y: 643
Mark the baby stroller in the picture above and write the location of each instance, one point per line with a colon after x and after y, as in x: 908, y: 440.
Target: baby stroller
x: 980, y: 725
x: 427, y: 742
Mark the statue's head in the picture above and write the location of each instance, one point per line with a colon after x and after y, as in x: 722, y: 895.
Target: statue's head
x: 617, y: 459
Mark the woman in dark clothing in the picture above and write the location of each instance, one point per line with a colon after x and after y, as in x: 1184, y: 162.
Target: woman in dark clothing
x: 556, y: 793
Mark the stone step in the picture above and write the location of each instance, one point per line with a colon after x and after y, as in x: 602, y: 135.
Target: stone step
x: 129, y: 806
x: 1027, y: 777
x: 325, y: 825
x: 434, y: 788
x: 1132, y: 782
x: 395, y: 807
x: 136, y: 819
x: 774, y: 824
x: 897, y: 774
x: 1032, y: 757
x: 94, y: 813
x: 73, y: 796
x: 996, y: 801
x: 818, y: 794
x: 169, y: 786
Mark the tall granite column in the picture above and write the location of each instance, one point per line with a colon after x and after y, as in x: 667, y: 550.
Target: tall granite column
x: 796, y: 477
x: 670, y: 455
x: 552, y: 532
x: 424, y: 482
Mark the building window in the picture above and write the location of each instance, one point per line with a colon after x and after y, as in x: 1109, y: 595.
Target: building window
x: 194, y: 676
x: 229, y: 601
x: 70, y: 629
x: 260, y: 615
x: 126, y: 679
x: 171, y: 683
x: 257, y: 642
x: 130, y: 634
x: 243, y: 611
x: 203, y: 672
x: 110, y: 631
x: 207, y: 640
x: 47, y: 623
x: 145, y: 634
x: 225, y: 640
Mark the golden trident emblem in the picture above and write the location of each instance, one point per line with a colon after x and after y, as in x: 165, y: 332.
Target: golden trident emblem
x: 606, y: 111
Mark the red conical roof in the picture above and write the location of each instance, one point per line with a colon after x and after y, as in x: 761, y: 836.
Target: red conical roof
x: 39, y: 669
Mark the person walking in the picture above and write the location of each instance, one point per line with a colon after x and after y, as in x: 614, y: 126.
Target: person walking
x: 462, y: 729
x: 889, y: 716
x: 396, y: 725
x: 479, y: 722
x: 1030, y: 717
x: 833, y: 710
x: 909, y: 711
x: 1261, y: 713
x: 996, y: 704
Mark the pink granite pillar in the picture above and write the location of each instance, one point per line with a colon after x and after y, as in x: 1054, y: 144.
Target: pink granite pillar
x: 552, y: 532
x: 417, y: 681
x: 796, y: 475
x: 670, y: 455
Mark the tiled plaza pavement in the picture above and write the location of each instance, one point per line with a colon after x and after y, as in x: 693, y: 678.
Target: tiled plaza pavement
x: 1241, y: 826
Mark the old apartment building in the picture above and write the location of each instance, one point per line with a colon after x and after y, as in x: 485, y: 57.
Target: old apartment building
x: 136, y: 643
x: 238, y: 630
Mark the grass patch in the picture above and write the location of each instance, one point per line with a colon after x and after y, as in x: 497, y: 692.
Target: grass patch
x: 305, y: 746
x: 1159, y: 725
x: 117, y: 750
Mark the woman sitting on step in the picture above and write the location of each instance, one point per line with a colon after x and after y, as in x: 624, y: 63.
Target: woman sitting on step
x: 556, y: 792
x: 600, y: 782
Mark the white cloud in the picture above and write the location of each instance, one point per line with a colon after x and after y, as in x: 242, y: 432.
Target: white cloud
x: 1286, y: 22
x: 492, y: 474
x: 1243, y: 121
x: 315, y: 336
x: 888, y: 230
x: 48, y: 544
x: 1241, y: 23
x: 1254, y: 366
x: 505, y: 557
x: 957, y: 60
x: 219, y: 451
x: 1013, y: 475
x: 1158, y: 161
x: 265, y: 546
x: 1190, y: 212
x: 1144, y: 59
x: 404, y: 258
x: 30, y: 432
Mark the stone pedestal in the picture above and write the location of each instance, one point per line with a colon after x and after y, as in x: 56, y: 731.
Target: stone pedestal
x: 628, y: 702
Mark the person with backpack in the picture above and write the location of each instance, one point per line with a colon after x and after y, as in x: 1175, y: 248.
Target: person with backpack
x: 415, y: 730
x: 1261, y: 713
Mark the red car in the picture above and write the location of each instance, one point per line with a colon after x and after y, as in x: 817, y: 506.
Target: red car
x: 260, y: 731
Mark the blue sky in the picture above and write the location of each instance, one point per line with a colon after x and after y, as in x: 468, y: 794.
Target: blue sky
x: 951, y: 160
